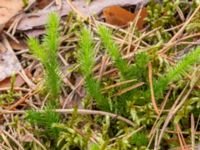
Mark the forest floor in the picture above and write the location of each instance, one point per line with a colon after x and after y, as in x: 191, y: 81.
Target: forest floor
x: 99, y: 75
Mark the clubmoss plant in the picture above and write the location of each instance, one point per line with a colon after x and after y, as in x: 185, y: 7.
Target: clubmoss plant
x: 86, y: 59
x: 46, y: 53
x: 113, y: 50
x: 176, y: 72
x: 45, y: 120
x: 127, y: 71
x: 137, y: 70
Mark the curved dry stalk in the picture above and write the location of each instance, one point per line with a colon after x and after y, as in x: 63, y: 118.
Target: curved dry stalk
x: 151, y: 89
x: 79, y: 111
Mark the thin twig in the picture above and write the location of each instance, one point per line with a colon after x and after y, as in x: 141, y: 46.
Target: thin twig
x: 79, y: 111
x: 128, y: 89
x: 192, y: 132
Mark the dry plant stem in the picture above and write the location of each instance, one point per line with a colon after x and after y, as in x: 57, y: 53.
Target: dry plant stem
x: 175, y: 132
x: 68, y: 99
x: 5, y: 140
x: 21, y: 100
x: 174, y: 109
x: 120, y: 40
x: 96, y: 23
x: 15, y: 88
x: 181, y: 15
x: 135, y: 131
x: 138, y: 43
x: 179, y: 138
x: 145, y: 35
x: 12, y: 29
x: 126, y: 137
x: 117, y: 84
x: 30, y: 103
x: 79, y: 111
x: 137, y: 18
x: 153, y: 129
x: 80, y: 14
x: 156, y: 139
x: 192, y: 132
x: 197, y: 124
x: 190, y: 36
x: 49, y: 5
x: 7, y: 120
x: 165, y: 49
x: 182, y: 140
x: 62, y: 59
x: 11, y: 37
x: 128, y: 89
x: 103, y: 67
x: 125, y: 37
x: 59, y: 3
x: 67, y: 82
x: 188, y: 43
x: 109, y: 72
x: 130, y: 38
x: 185, y: 37
x: 174, y: 28
x: 22, y: 73
x: 4, y: 147
x: 70, y: 96
x: 151, y: 89
x: 34, y: 139
x: 13, y: 139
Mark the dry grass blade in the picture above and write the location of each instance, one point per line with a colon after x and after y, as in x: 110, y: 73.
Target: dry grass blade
x: 104, y: 63
x: 117, y: 84
x: 181, y: 138
x: 128, y: 89
x: 192, y: 132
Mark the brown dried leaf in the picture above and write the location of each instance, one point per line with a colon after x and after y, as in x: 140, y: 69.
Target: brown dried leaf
x: 116, y: 15
x: 8, y: 9
x: 35, y: 20
x: 119, y: 16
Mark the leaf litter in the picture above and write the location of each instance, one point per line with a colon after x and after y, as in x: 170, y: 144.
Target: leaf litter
x: 16, y: 59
